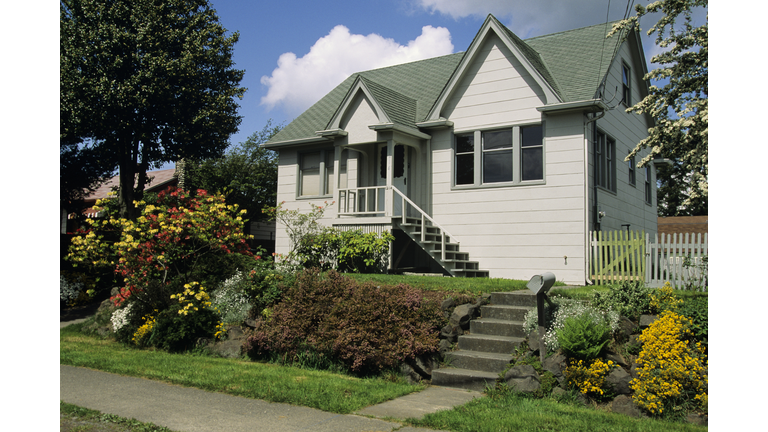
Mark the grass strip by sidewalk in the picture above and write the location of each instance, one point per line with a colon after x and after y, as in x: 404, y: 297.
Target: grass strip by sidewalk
x: 76, y: 418
x: 510, y: 412
x: 326, y: 391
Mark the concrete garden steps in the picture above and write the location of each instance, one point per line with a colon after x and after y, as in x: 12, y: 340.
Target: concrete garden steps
x: 487, y: 349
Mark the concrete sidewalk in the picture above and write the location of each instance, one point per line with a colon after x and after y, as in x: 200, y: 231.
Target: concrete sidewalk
x: 185, y: 409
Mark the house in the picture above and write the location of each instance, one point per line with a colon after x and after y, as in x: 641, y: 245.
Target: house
x: 680, y: 225
x: 497, y: 161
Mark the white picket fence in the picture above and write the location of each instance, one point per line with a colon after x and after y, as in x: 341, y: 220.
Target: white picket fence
x: 680, y: 259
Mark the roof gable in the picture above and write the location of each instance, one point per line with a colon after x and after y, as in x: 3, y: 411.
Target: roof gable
x: 569, y: 66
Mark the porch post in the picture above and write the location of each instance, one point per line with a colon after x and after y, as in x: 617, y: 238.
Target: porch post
x: 336, y: 164
x: 389, y: 200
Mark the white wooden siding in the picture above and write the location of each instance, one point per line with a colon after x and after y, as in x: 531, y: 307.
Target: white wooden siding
x: 357, y: 118
x: 513, y: 231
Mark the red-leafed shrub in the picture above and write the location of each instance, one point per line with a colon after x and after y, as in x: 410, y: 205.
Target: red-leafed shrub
x: 366, y: 327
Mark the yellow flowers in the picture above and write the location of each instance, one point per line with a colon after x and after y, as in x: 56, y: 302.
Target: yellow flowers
x: 144, y: 331
x: 588, y: 377
x: 664, y: 299
x: 671, y: 369
x: 189, y: 295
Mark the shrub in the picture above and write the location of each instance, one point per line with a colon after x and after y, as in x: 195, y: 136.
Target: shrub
x: 696, y: 310
x: 672, y: 368
x: 191, y: 317
x: 230, y: 299
x: 663, y: 299
x: 630, y: 299
x: 563, y: 308
x: 588, y: 376
x: 583, y: 337
x: 369, y: 328
x: 69, y: 292
x: 345, y: 251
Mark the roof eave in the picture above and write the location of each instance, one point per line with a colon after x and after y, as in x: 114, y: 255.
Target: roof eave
x: 383, y: 127
x: 296, y: 142
x: 590, y: 105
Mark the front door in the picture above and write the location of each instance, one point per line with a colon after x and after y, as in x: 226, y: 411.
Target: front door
x: 400, y: 167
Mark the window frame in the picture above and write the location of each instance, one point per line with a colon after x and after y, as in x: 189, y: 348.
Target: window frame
x: 479, y: 153
x: 626, y: 85
x: 632, y: 179
x: 325, y: 172
x: 648, y: 192
x: 605, y: 162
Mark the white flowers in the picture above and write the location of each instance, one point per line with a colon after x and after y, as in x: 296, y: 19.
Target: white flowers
x: 69, y: 290
x: 120, y: 317
x: 567, y: 308
x: 230, y: 300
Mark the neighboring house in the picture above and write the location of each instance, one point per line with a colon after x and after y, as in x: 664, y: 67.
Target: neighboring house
x: 156, y: 182
x: 507, y: 153
x: 680, y: 225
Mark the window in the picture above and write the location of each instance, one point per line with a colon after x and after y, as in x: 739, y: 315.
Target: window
x: 316, y: 173
x: 507, y: 156
x: 626, y: 89
x: 648, y: 184
x: 605, y: 164
x: 631, y: 165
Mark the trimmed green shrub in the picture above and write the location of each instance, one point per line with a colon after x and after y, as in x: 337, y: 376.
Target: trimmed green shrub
x: 345, y: 251
x: 368, y: 328
x: 631, y: 299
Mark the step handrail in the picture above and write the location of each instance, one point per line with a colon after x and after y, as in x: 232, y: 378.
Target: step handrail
x: 443, y: 232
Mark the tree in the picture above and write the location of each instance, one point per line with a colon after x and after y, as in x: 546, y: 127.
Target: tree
x: 144, y: 82
x: 679, y: 107
x: 673, y: 196
x: 246, y: 174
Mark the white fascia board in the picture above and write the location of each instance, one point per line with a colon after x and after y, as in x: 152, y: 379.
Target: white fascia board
x: 590, y: 105
x: 358, y: 85
x: 432, y: 124
x: 399, y: 128
x: 332, y: 133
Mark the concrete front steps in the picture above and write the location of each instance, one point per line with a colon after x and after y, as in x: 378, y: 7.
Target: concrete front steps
x: 487, y: 350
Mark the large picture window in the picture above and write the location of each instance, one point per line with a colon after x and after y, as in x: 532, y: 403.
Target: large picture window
x: 508, y: 156
x: 316, y: 173
x: 605, y: 163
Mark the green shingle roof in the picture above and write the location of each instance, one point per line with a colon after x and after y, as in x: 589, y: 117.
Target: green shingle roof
x: 573, y: 62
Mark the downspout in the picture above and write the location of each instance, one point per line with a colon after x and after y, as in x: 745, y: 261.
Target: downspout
x: 587, y: 221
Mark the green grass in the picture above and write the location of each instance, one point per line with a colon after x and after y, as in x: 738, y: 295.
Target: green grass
x: 327, y: 391
x: 83, y: 420
x: 474, y: 286
x: 510, y: 412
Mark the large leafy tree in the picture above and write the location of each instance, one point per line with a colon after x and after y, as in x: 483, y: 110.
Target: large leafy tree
x: 246, y: 174
x: 678, y: 101
x: 144, y: 82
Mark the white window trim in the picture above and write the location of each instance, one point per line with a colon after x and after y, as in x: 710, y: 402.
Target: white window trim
x: 628, y: 100
x: 517, y: 171
x: 632, y: 178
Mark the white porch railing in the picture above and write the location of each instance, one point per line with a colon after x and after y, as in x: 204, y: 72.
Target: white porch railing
x: 378, y: 200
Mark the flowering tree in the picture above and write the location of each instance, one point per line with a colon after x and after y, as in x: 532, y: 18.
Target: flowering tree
x: 166, y: 247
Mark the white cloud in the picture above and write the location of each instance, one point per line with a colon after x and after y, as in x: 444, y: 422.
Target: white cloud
x: 298, y: 82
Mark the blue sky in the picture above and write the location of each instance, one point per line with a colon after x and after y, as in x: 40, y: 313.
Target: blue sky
x: 294, y: 52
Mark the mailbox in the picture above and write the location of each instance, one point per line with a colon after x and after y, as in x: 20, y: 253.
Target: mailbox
x: 540, y: 284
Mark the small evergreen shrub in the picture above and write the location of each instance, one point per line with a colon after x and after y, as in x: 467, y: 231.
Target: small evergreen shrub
x: 696, y: 310
x: 583, y: 337
x: 366, y: 327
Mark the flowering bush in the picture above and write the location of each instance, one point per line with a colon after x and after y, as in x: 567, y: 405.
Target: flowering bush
x: 630, y: 299
x: 120, y: 318
x: 664, y: 299
x: 564, y: 308
x: 69, y: 291
x: 588, y: 376
x: 672, y: 368
x: 230, y: 299
x: 174, y: 246
x: 334, y: 249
